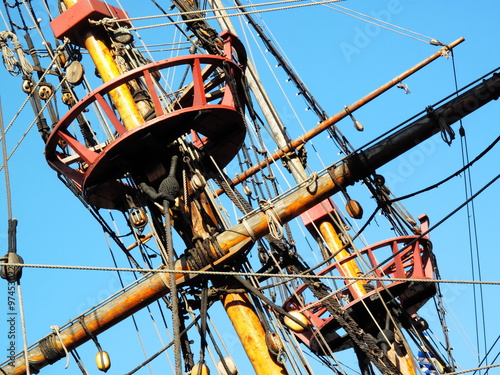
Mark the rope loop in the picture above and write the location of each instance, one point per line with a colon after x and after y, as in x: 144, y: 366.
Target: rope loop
x: 26, y: 67
x: 11, y: 64
x: 447, y: 133
x: 273, y: 221
x: 8, y: 58
x: 311, y: 182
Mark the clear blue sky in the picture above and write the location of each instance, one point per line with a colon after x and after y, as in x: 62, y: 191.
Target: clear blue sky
x: 340, y: 59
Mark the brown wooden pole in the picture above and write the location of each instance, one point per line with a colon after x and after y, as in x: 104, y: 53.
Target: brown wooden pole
x: 321, y: 127
x: 238, y: 239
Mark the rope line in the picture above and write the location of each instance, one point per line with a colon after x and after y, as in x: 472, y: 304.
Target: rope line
x: 257, y: 274
x: 347, y: 10
x: 23, y: 327
x: 5, y: 166
x: 473, y: 369
x: 229, y: 15
x: 475, y: 259
x: 465, y: 167
x: 221, y: 9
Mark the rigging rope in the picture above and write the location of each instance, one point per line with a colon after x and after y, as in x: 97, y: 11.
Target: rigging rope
x: 429, y: 41
x: 184, y: 331
x: 219, y: 9
x: 23, y: 327
x: 12, y: 239
x: 225, y: 16
x: 472, y: 232
x: 457, y: 173
x: 473, y: 369
x: 486, y: 355
x: 5, y: 165
x: 284, y: 276
x: 79, y: 362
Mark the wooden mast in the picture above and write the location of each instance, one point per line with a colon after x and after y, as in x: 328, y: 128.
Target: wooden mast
x: 237, y: 239
x: 248, y: 327
x: 103, y: 59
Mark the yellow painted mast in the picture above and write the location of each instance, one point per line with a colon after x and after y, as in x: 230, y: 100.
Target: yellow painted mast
x: 252, y: 335
x: 334, y: 243
x: 107, y: 68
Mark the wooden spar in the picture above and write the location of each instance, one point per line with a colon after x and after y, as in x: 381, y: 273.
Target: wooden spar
x: 237, y: 239
x: 339, y: 116
x: 107, y: 68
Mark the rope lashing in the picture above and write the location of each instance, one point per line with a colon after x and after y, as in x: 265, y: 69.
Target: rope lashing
x: 447, y: 133
x: 56, y: 330
x: 273, y: 221
x: 250, y: 231
x: 8, y: 272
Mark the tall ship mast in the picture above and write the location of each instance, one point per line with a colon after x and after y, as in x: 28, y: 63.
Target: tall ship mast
x: 232, y: 232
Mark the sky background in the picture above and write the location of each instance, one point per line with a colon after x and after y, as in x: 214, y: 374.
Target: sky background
x: 340, y: 59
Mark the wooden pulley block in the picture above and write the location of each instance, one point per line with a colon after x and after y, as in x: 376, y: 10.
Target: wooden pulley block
x: 45, y: 91
x: 229, y: 364
x: 354, y: 209
x: 293, y: 325
x: 74, y: 73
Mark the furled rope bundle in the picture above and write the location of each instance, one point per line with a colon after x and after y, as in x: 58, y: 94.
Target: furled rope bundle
x: 9, y: 59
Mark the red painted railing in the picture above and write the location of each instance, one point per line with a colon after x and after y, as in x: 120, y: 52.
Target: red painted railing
x: 214, y: 85
x: 409, y: 258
